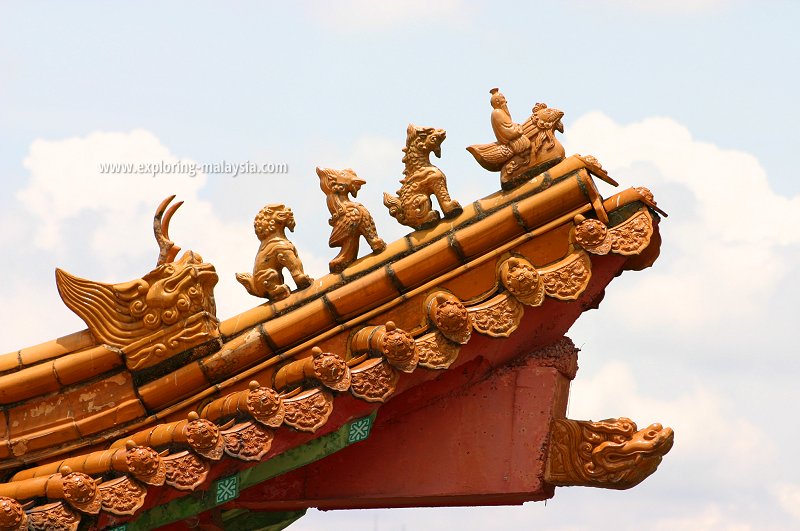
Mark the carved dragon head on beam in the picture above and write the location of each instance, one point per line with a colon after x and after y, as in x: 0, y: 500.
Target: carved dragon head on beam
x: 610, y: 454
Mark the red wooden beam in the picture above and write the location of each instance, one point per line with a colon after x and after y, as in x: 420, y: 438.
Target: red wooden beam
x: 467, y: 443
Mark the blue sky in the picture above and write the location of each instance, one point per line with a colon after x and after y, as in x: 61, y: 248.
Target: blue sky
x: 697, y: 100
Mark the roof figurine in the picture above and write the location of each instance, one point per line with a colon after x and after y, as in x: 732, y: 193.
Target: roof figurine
x: 275, y: 253
x: 521, y: 150
x: 349, y: 219
x: 168, y: 311
x: 412, y: 206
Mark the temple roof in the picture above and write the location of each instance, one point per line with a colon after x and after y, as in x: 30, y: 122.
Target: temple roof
x: 116, y: 424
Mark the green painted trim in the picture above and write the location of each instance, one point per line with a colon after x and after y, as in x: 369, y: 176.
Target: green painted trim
x: 260, y: 521
x: 200, y: 501
x: 300, y: 456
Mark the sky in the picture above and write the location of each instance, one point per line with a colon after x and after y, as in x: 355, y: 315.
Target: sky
x: 696, y: 100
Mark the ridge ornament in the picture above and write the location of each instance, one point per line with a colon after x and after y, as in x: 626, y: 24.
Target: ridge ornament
x: 412, y: 206
x: 531, y: 145
x: 275, y: 253
x: 169, y: 310
x: 349, y: 219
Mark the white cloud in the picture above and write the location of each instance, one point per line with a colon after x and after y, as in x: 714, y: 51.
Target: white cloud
x: 24, y: 298
x: 788, y: 495
x: 727, y: 228
x: 114, y: 211
x: 65, y: 181
x: 703, y: 421
x: 730, y: 187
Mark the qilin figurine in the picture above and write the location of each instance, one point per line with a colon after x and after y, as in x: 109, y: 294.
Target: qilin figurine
x: 275, y: 253
x: 413, y: 206
x: 531, y: 145
x: 349, y: 219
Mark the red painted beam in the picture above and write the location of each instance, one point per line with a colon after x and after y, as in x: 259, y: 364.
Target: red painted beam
x: 466, y: 443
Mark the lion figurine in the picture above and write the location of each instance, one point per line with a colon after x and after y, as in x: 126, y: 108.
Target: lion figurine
x: 275, y: 253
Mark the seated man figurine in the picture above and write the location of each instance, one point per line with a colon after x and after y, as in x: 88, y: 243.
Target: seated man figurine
x: 520, y: 147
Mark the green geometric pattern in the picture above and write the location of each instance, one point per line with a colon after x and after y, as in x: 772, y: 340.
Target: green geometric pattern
x: 122, y: 527
x: 184, y: 507
x: 227, y: 489
x: 359, y: 430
